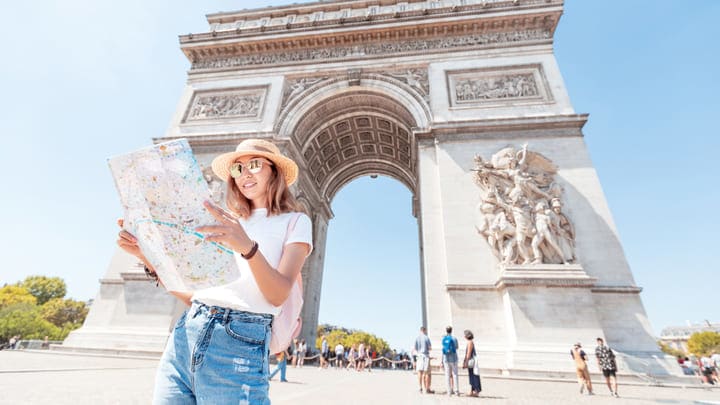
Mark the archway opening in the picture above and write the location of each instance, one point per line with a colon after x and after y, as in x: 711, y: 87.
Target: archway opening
x: 372, y: 261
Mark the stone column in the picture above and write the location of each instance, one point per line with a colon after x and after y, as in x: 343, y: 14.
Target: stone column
x: 312, y: 275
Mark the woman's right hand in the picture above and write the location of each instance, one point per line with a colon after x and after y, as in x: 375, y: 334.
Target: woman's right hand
x: 128, y: 242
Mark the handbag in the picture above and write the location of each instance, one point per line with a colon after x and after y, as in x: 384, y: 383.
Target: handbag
x: 476, y: 366
x: 287, y: 324
x: 471, y: 362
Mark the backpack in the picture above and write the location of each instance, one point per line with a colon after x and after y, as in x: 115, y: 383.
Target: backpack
x: 448, y: 345
x: 286, y: 325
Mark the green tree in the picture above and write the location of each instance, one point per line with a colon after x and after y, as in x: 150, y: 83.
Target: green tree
x: 12, y: 294
x: 702, y: 343
x: 44, y: 288
x: 348, y: 337
x: 24, y: 319
x: 60, y: 312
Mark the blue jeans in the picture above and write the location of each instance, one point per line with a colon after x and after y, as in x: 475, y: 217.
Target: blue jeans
x: 282, y: 368
x: 215, y: 356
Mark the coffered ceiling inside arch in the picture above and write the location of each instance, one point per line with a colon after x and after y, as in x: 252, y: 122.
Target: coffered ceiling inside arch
x: 373, y: 141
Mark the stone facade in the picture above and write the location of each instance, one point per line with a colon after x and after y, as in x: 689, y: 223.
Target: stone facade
x: 417, y: 90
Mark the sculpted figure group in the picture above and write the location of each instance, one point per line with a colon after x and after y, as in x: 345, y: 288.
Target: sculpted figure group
x: 520, y: 214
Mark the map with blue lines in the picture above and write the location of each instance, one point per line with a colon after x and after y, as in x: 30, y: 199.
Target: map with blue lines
x: 162, y: 190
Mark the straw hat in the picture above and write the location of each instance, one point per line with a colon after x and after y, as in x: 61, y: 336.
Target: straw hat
x: 256, y: 147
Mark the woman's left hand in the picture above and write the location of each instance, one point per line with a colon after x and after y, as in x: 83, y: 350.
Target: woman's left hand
x: 228, y: 233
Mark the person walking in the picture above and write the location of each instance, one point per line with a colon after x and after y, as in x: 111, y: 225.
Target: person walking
x: 470, y: 363
x: 450, y: 361
x: 606, y: 362
x: 422, y: 350
x: 281, y: 365
x: 218, y: 349
x: 581, y: 368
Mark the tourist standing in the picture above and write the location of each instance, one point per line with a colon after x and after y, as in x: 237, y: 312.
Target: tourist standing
x: 302, y: 352
x: 471, y: 363
x: 206, y: 357
x: 362, y: 355
x: 606, y: 362
x: 339, y: 354
x: 450, y: 362
x: 707, y: 370
x: 295, y: 351
x: 581, y: 368
x: 422, y: 350
x: 324, y: 352
x: 351, y: 357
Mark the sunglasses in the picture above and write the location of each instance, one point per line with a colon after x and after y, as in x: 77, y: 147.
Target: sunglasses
x: 253, y: 166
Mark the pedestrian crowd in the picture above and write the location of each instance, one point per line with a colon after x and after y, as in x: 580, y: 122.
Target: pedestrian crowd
x: 706, y: 368
x: 451, y: 362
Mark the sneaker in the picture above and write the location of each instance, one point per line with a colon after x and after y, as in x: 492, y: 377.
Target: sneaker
x: 615, y: 394
x: 591, y: 393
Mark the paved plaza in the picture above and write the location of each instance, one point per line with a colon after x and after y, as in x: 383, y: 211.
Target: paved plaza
x: 28, y: 377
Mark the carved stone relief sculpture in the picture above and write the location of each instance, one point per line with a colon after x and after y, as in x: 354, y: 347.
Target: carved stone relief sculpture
x: 225, y: 104
x: 520, y: 214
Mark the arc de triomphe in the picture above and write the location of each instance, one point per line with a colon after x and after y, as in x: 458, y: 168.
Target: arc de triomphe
x: 463, y: 102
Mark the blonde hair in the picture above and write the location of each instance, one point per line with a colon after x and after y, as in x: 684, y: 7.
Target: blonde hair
x: 280, y: 199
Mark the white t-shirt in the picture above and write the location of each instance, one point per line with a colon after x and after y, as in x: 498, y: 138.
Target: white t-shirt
x: 269, y: 232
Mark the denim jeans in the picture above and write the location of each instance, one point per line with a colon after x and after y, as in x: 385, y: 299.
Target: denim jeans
x: 282, y: 368
x: 215, y: 356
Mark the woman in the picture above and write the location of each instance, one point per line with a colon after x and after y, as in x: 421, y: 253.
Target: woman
x: 302, y: 352
x: 470, y: 354
x: 218, y: 351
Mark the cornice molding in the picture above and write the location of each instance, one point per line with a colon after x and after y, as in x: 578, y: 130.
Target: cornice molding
x: 561, y: 125
x: 456, y: 31
x: 344, y: 13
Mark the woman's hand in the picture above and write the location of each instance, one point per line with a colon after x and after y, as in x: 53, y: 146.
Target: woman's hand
x: 128, y: 242
x: 228, y: 233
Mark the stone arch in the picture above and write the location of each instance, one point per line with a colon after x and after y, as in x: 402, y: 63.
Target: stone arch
x: 393, y: 90
x: 343, y: 132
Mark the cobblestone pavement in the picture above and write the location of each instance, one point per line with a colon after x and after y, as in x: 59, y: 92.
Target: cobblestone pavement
x: 46, y: 378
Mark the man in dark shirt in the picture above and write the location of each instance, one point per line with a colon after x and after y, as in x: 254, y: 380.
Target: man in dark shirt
x: 606, y: 362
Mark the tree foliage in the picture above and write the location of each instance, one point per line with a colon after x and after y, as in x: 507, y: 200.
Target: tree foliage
x: 12, y: 294
x: 24, y: 319
x: 44, y: 288
x: 349, y: 337
x: 61, y: 311
x: 702, y: 343
x: 35, y: 308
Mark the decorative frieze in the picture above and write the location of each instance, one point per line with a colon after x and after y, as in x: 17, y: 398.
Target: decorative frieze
x: 241, y: 103
x: 364, y: 50
x: 498, y: 86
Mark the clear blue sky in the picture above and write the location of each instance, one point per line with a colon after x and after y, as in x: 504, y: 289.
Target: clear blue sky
x: 82, y: 80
